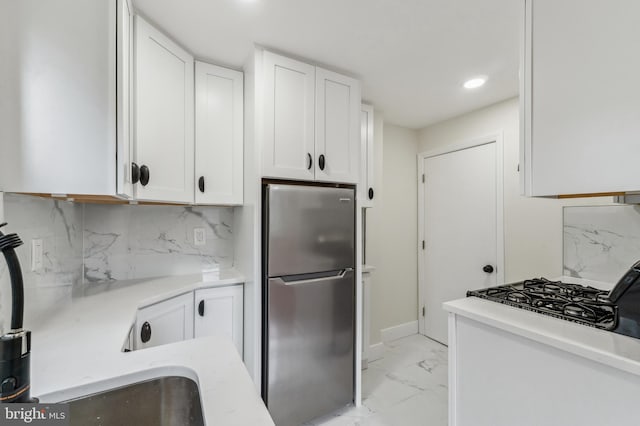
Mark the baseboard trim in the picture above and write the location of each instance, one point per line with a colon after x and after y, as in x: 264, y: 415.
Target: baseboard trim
x: 376, y: 352
x: 399, y: 331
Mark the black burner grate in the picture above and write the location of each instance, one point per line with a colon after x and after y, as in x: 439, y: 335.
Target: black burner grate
x: 572, y: 302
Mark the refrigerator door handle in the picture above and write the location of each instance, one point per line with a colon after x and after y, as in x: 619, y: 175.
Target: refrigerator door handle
x: 340, y: 274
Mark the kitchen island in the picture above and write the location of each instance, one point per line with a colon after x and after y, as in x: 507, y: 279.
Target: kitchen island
x: 79, y: 351
x: 509, y: 366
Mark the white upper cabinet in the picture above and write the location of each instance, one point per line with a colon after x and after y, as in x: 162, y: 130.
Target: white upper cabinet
x: 63, y: 117
x: 219, y: 135
x: 366, y: 190
x: 124, y: 59
x: 311, y: 122
x: 164, y: 129
x: 580, y: 101
x: 337, y: 127
x: 289, y: 106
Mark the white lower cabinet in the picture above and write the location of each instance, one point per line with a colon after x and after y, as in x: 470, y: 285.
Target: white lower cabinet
x: 165, y: 322
x: 220, y: 311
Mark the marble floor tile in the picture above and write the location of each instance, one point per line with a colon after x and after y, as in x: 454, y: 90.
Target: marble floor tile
x: 407, y: 387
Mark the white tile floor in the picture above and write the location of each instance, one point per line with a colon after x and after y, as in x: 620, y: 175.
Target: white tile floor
x: 407, y: 387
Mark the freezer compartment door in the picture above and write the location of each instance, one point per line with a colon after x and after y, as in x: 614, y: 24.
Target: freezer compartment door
x: 310, y: 229
x: 310, y: 347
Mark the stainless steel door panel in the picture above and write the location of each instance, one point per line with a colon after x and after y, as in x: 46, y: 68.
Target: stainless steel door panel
x: 310, y: 347
x: 310, y: 229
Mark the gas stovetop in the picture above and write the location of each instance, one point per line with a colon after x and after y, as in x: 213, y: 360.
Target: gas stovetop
x: 572, y: 302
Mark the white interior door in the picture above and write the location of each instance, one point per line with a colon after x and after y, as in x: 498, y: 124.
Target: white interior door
x: 460, y: 229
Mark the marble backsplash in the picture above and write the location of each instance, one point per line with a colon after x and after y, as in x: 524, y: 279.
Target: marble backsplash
x: 88, y: 243
x: 59, y: 225
x: 128, y: 241
x: 601, y: 242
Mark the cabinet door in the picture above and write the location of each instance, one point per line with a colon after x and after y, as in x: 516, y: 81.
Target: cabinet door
x: 366, y: 187
x: 220, y: 311
x: 164, y: 116
x: 124, y: 56
x: 58, y: 97
x: 289, y: 92
x: 169, y: 321
x: 337, y: 127
x: 219, y: 135
x: 581, y: 100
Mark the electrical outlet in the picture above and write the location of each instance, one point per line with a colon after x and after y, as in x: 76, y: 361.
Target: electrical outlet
x: 37, y: 250
x: 199, y: 237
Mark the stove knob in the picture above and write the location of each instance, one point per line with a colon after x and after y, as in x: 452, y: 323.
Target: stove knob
x: 488, y: 269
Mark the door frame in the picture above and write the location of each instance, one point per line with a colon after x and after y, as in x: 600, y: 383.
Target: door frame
x: 497, y: 138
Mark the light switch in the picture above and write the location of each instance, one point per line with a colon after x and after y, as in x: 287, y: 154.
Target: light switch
x: 199, y: 237
x: 36, y: 255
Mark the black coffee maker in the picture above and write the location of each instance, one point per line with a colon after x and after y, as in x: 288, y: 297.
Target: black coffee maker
x: 15, y: 346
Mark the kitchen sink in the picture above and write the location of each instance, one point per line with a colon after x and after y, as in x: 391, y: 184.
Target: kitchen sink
x: 163, y: 401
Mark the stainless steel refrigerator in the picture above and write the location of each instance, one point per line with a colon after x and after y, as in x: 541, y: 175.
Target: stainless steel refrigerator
x: 308, y: 300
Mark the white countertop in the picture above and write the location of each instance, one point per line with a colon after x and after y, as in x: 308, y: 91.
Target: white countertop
x: 82, y: 345
x: 612, y: 349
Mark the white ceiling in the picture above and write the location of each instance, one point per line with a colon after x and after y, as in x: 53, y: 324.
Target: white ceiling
x: 412, y: 56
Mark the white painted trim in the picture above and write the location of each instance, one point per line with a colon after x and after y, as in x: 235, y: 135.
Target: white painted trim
x: 357, y: 398
x: 375, y: 352
x: 526, y: 103
x: 453, y: 379
x: 497, y: 138
x: 399, y: 331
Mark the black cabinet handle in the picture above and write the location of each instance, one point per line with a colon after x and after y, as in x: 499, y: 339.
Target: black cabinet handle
x: 488, y: 269
x: 145, y: 333
x: 201, y: 308
x: 144, y: 175
x: 135, y: 173
x: 321, y: 161
x: 309, y: 161
x: 201, y: 183
x: 371, y: 193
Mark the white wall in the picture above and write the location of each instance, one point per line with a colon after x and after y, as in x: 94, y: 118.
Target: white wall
x: 392, y: 229
x: 533, y: 226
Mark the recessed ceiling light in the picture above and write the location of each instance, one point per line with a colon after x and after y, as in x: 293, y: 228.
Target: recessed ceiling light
x: 476, y: 82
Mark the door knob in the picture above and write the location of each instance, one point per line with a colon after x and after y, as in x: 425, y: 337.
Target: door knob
x: 488, y: 269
